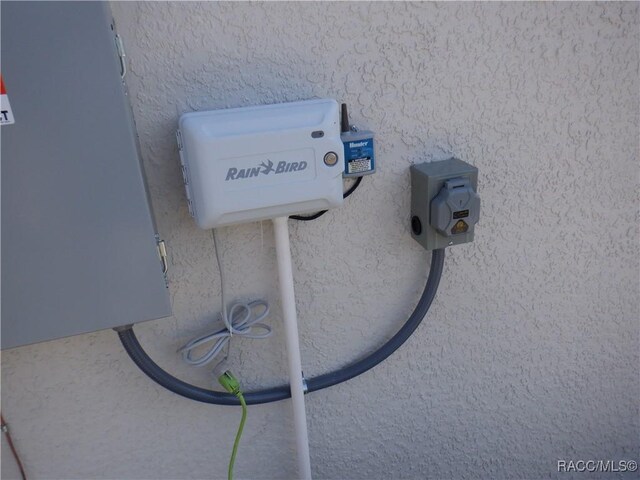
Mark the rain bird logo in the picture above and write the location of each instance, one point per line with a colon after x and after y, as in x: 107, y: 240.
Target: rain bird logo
x: 265, y: 168
x: 268, y: 167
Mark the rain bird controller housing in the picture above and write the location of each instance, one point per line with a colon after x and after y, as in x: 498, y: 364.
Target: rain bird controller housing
x: 277, y: 162
x: 256, y: 163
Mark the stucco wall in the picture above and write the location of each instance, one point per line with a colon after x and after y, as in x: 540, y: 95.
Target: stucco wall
x: 530, y: 352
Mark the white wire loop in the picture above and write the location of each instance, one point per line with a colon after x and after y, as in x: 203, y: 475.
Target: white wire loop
x: 240, y: 319
x: 243, y: 322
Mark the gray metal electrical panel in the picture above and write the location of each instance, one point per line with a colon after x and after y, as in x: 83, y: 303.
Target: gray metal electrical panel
x: 79, y: 246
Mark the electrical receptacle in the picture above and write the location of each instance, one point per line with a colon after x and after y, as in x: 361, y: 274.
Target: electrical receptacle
x: 445, y: 205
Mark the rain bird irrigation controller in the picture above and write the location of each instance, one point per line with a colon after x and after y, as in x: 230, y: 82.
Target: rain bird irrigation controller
x: 286, y: 161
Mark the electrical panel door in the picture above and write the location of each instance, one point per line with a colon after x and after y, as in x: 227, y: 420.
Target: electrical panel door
x: 79, y: 245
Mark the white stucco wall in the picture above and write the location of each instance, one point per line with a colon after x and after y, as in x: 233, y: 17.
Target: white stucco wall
x: 530, y: 353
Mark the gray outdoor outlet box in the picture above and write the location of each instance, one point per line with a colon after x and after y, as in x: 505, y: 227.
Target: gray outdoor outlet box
x: 79, y: 245
x: 444, y: 203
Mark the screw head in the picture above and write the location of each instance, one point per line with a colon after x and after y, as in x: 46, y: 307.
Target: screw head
x: 331, y: 158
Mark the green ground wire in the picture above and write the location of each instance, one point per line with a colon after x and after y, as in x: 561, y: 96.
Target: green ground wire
x: 232, y: 385
x: 238, y: 435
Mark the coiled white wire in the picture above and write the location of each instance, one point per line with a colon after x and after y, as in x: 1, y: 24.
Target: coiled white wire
x: 240, y: 319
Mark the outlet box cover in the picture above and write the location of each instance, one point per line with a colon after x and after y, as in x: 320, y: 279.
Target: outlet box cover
x: 427, y: 179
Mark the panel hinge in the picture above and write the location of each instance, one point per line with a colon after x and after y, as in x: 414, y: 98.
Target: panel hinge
x: 122, y: 55
x: 179, y: 139
x: 162, y: 252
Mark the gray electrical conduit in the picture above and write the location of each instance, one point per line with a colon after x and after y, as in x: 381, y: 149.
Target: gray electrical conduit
x: 157, y: 374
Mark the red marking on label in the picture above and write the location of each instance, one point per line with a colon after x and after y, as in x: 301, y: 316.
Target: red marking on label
x: 6, y: 115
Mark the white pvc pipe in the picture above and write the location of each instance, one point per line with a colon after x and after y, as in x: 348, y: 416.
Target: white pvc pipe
x: 285, y: 274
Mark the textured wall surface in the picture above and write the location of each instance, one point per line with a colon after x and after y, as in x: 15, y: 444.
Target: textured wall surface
x: 531, y: 351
